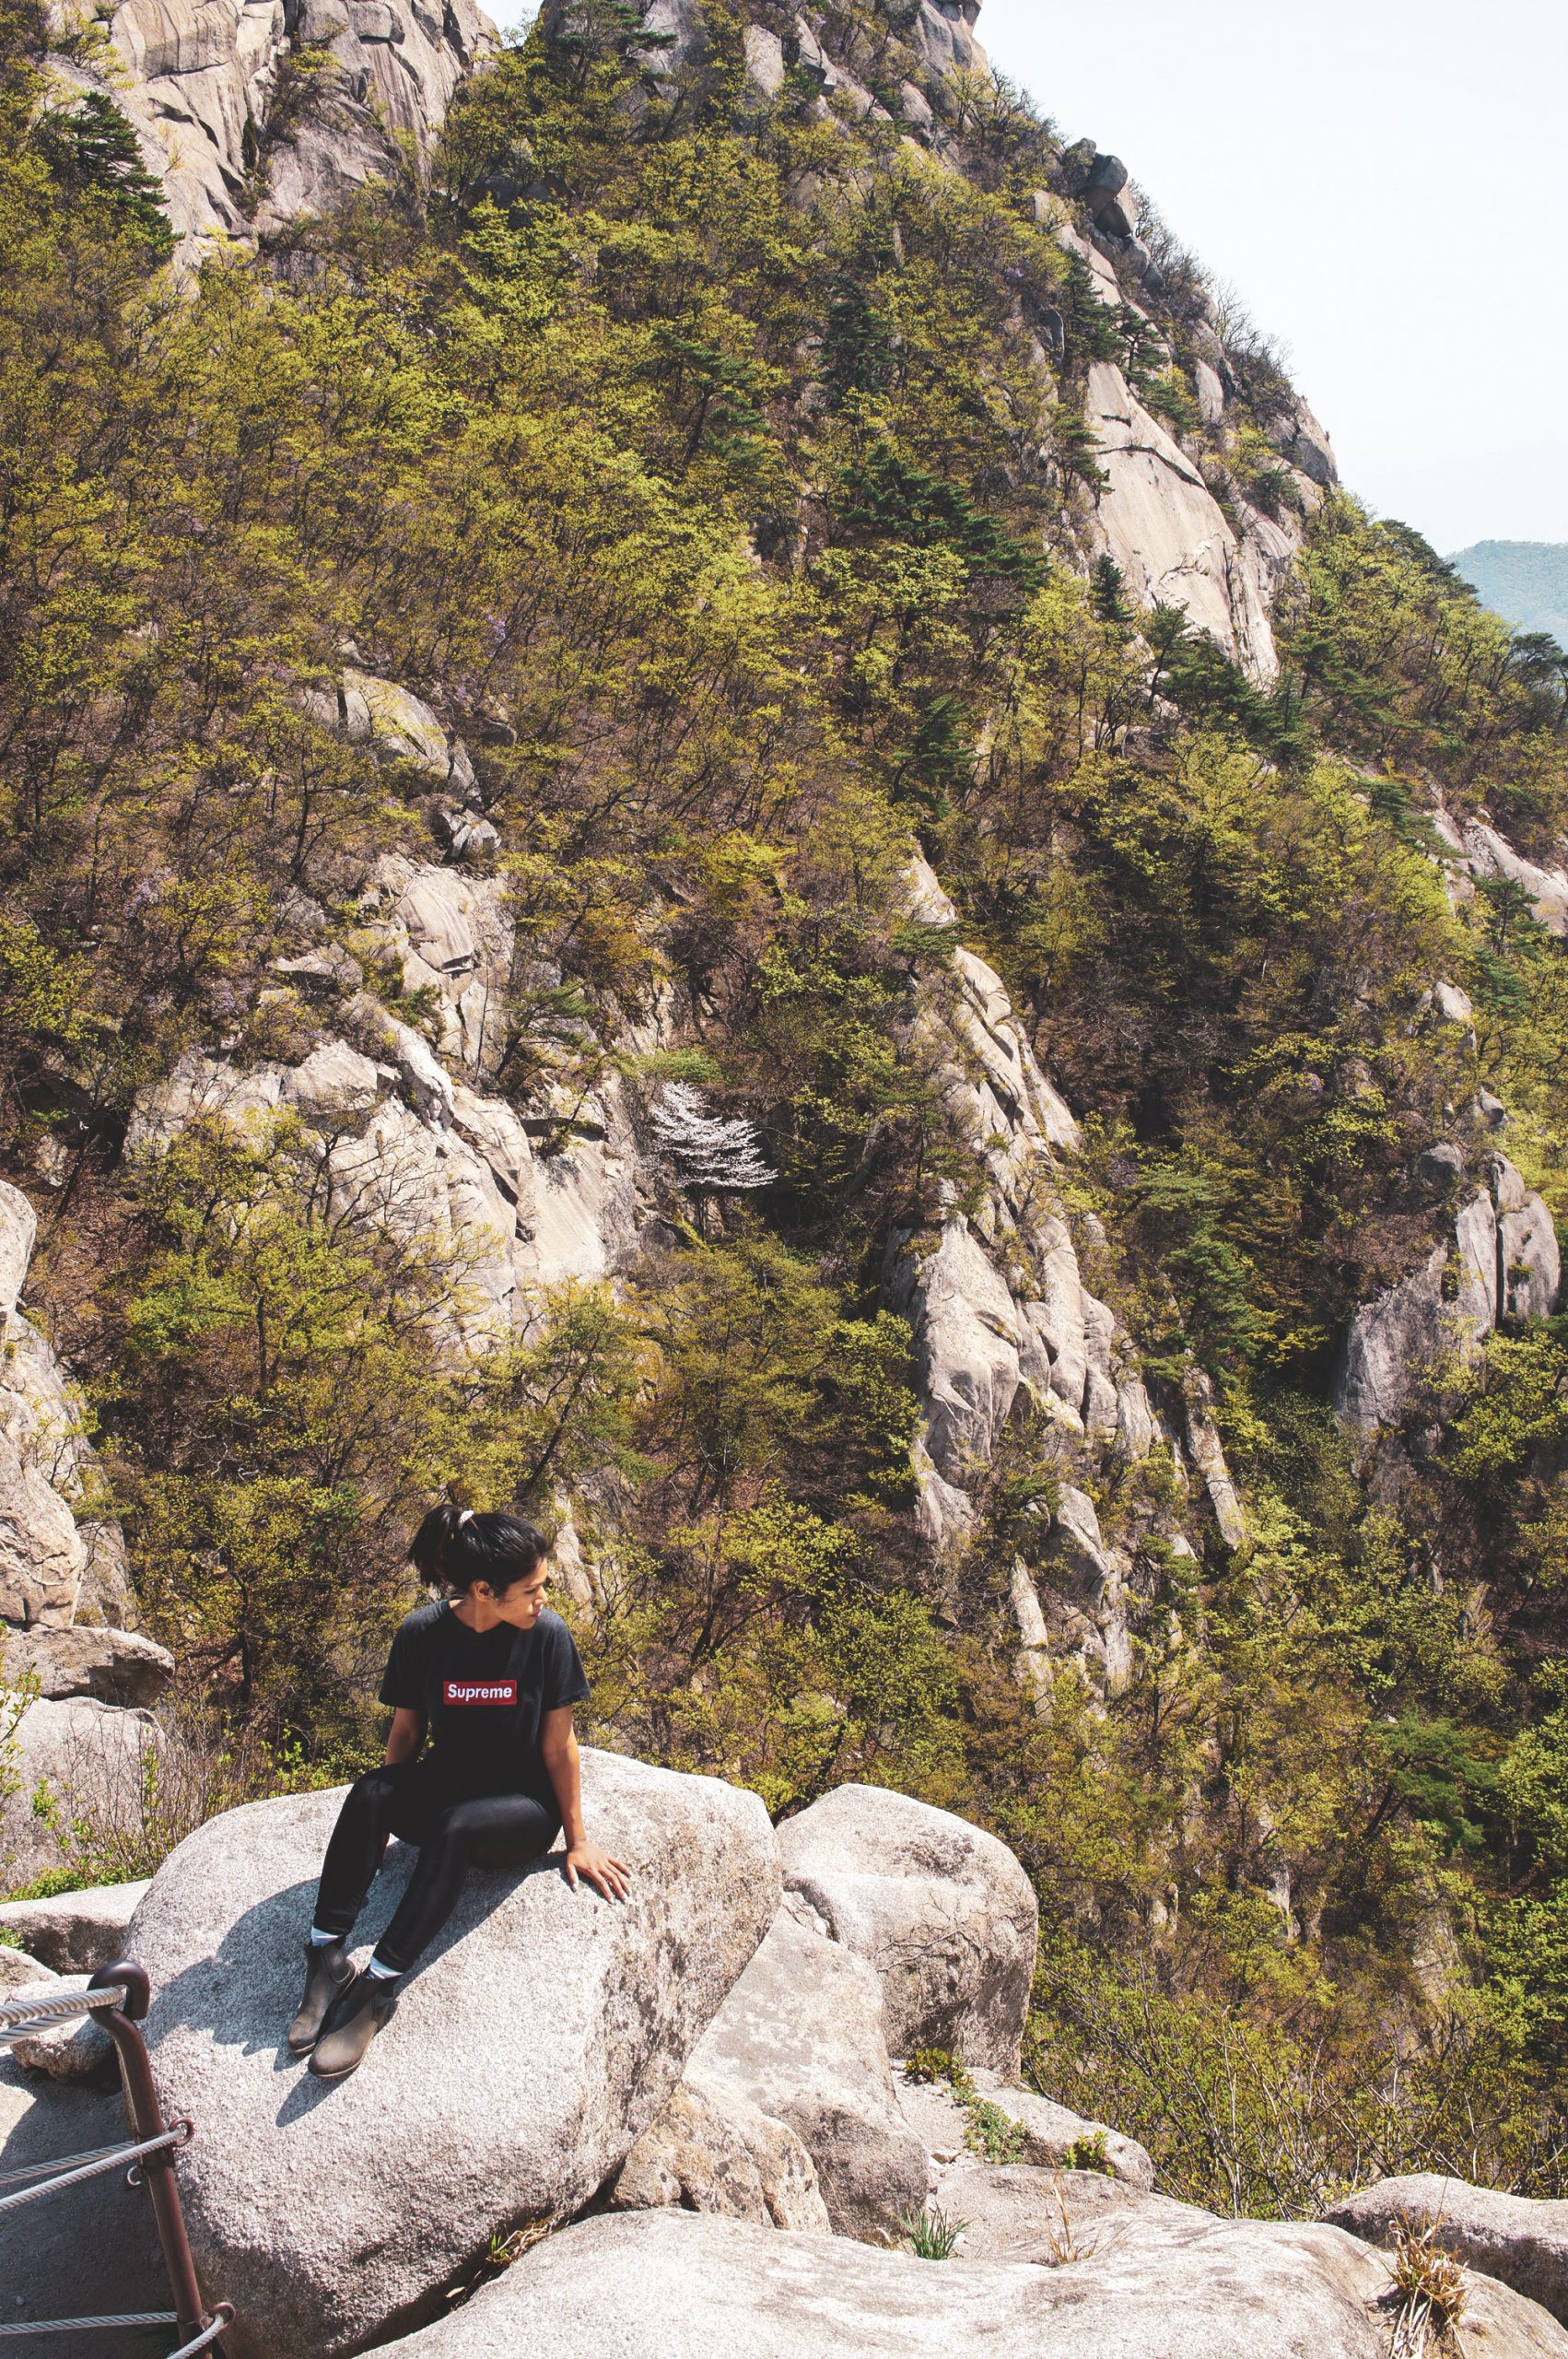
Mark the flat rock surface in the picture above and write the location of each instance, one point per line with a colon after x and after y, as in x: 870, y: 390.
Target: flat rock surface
x: 536, y: 2039
x: 681, y: 2285
x: 1021, y: 2211
x: 1050, y: 2135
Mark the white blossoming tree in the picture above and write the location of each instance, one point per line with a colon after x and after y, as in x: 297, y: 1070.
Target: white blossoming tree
x: 713, y: 1156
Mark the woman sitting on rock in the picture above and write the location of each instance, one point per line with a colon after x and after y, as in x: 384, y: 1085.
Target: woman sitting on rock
x: 492, y: 1675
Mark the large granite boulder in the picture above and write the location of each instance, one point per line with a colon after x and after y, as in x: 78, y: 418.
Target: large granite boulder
x: 942, y: 1910
x: 1156, y: 2282
x: 77, y: 1763
x: 115, y: 1666
x: 531, y: 2049
x: 1521, y: 2242
x: 75, y: 1932
x: 801, y: 2038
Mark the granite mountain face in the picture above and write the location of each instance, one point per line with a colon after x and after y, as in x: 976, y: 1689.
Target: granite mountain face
x: 721, y: 822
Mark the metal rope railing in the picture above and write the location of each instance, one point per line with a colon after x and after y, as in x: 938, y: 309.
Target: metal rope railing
x: 18, y: 2017
x: 203, y: 2340
x: 118, y: 1997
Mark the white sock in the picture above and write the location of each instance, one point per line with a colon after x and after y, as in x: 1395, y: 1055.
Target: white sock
x: 319, y: 1939
x: 379, y: 1973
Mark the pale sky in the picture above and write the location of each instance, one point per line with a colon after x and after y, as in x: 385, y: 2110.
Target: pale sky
x: 1385, y: 183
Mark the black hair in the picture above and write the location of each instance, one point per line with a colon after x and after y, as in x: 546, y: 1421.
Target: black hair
x: 455, y: 1548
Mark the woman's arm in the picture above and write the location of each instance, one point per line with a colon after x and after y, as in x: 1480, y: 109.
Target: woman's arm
x: 558, y: 1743
x: 406, y: 1735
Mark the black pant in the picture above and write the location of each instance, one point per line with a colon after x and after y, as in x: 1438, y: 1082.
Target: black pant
x: 492, y: 1831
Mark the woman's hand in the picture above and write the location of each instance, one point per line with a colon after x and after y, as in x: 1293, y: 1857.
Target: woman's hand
x: 606, y: 1875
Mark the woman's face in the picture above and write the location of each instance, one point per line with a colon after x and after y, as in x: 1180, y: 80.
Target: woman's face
x: 520, y: 1605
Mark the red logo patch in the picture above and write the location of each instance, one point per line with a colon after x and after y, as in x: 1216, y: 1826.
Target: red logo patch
x: 479, y: 1691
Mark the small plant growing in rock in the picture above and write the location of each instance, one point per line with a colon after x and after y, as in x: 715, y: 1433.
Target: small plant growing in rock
x: 1089, y: 2154
x: 931, y: 2234
x: 929, y: 2064
x: 995, y: 2134
x: 1430, y: 2283
x: 1064, y: 2243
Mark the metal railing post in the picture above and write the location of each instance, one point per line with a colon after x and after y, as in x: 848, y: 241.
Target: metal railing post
x: 146, y: 2118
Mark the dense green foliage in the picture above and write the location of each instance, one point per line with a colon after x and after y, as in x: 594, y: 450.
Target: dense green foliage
x: 701, y: 469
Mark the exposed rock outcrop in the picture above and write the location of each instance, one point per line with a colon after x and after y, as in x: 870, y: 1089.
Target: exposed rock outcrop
x: 251, y: 111
x: 1171, y: 539
x: 940, y: 1908
x: 712, y: 2150
x: 412, y: 1149
x: 75, y: 1932
x: 41, y: 1556
x: 530, y: 2050
x: 1081, y: 1592
x: 1512, y: 2237
x: 1502, y: 1266
x: 801, y: 2038
x: 997, y: 1302
x: 1490, y: 854
x: 61, y: 1560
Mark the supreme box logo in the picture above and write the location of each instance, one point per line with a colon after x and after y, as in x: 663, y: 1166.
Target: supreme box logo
x: 479, y: 1691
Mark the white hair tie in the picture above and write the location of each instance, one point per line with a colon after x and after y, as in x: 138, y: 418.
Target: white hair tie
x: 465, y: 1515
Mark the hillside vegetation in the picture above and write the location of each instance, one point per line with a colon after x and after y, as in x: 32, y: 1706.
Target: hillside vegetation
x: 706, y: 487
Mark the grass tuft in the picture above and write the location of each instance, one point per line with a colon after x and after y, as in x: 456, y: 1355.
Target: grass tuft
x: 931, y: 2234
x: 1429, y: 2282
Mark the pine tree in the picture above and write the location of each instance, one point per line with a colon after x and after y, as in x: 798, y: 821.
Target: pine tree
x: 91, y: 148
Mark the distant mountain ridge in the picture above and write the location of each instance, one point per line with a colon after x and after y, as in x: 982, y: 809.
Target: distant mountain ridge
x: 1525, y: 581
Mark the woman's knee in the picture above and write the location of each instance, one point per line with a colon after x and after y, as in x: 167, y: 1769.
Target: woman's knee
x: 461, y: 1825
x: 372, y: 1797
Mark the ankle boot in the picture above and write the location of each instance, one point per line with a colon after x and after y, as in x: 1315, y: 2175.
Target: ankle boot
x: 327, y: 1976
x: 355, y: 2020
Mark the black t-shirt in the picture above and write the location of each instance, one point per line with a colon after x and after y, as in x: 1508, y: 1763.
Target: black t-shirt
x: 484, y: 1696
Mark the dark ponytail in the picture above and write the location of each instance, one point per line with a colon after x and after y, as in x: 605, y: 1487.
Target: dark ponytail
x: 453, y: 1548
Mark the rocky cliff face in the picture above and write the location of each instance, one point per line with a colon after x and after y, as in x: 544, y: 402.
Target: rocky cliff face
x: 251, y: 111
